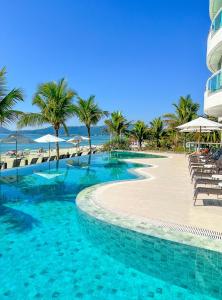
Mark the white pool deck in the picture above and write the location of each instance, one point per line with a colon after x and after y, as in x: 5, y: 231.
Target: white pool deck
x: 165, y: 196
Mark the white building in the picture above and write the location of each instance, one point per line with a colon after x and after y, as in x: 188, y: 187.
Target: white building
x: 213, y: 93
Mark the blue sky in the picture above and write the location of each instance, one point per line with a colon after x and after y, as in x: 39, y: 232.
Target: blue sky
x: 137, y: 56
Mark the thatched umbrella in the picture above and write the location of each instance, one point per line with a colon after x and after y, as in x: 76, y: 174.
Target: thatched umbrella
x: 17, y: 138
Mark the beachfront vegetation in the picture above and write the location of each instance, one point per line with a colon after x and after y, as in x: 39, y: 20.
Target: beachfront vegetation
x: 56, y: 105
x: 8, y: 99
x: 54, y: 101
x: 117, y: 125
x: 89, y: 113
x: 140, y: 132
x: 117, y: 143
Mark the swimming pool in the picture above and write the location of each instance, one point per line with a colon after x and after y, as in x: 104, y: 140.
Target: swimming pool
x: 51, y: 250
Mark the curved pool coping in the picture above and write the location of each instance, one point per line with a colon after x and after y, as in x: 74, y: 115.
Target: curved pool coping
x: 194, y: 236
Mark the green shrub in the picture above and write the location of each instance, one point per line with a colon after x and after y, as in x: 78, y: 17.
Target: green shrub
x: 117, y: 144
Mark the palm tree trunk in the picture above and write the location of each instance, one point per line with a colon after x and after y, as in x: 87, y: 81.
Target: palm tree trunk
x: 57, y: 144
x: 140, y: 144
x: 89, y: 137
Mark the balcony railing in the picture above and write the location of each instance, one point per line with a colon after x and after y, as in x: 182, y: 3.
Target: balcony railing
x: 217, y: 22
x: 214, y: 83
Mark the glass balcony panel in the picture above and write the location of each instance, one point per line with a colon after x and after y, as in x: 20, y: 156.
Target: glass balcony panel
x: 215, y: 83
x: 217, y: 22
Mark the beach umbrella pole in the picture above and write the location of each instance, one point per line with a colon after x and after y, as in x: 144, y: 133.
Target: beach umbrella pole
x: 49, y: 149
x: 199, y: 140
x: 16, y: 146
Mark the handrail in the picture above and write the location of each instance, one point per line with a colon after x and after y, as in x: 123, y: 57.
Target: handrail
x: 212, y: 31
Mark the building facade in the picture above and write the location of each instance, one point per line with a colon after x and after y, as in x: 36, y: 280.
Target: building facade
x: 213, y: 93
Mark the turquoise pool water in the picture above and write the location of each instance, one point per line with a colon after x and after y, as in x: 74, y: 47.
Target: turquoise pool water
x: 128, y: 154
x: 51, y: 250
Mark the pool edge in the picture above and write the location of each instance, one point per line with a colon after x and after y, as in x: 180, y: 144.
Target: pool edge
x: 184, y: 234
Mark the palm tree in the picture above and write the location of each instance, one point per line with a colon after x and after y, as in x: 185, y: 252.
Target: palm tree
x: 185, y: 111
x: 8, y: 101
x: 157, y: 130
x: 89, y: 113
x: 140, y: 131
x: 54, y: 101
x: 117, y: 124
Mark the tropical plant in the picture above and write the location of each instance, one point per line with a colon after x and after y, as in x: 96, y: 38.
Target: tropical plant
x: 117, y: 143
x: 185, y: 111
x: 117, y: 125
x: 89, y: 113
x: 54, y: 101
x: 139, y: 132
x: 157, y: 130
x: 8, y: 100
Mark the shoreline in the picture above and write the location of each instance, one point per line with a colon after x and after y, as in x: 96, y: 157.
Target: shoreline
x: 35, y: 154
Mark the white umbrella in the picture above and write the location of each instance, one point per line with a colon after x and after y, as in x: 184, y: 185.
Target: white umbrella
x: 200, y: 125
x: 77, y: 139
x: 48, y: 138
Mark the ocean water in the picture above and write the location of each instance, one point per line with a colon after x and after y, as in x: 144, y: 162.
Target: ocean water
x: 96, y: 140
x: 51, y: 250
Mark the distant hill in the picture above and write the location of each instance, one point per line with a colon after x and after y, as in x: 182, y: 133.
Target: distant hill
x: 4, y: 130
x: 73, y: 130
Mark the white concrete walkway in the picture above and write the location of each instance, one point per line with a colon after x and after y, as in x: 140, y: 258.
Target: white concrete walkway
x: 168, y: 196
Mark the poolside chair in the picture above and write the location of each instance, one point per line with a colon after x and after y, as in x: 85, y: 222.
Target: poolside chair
x: 206, y: 171
x: 34, y: 160
x: 207, y: 191
x: 52, y: 158
x: 61, y: 156
x: 94, y: 151
x: 89, y: 153
x: 45, y: 159
x: 206, y: 181
x: 16, y: 163
x: 79, y: 154
x: 203, y: 168
x: 73, y: 155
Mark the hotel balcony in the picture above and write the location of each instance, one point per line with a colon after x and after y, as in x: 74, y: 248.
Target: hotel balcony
x: 213, y: 95
x: 215, y: 5
x: 214, y: 48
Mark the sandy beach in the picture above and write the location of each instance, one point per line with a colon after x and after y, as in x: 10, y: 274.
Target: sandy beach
x: 32, y: 154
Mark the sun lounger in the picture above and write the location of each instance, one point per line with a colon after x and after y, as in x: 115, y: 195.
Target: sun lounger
x: 34, y: 160
x: 206, y: 174
x: 61, y: 156
x: 53, y: 157
x: 79, y: 154
x: 16, y: 163
x: 207, y: 191
x: 206, y: 181
x: 73, y: 155
x: 45, y: 159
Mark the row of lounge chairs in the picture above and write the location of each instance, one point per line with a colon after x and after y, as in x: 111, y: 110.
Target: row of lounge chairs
x: 17, y: 162
x: 206, y: 174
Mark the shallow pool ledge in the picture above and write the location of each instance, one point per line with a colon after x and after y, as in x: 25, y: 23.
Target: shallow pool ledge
x: 197, y: 237
x: 87, y: 201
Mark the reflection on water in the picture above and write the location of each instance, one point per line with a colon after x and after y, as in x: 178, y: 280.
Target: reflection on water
x: 195, y: 269
x: 45, y: 255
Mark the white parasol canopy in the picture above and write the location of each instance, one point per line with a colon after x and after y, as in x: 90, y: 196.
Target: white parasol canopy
x: 77, y: 139
x: 200, y: 125
x: 48, y: 138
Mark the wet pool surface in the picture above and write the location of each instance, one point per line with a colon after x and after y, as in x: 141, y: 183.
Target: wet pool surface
x: 51, y: 250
